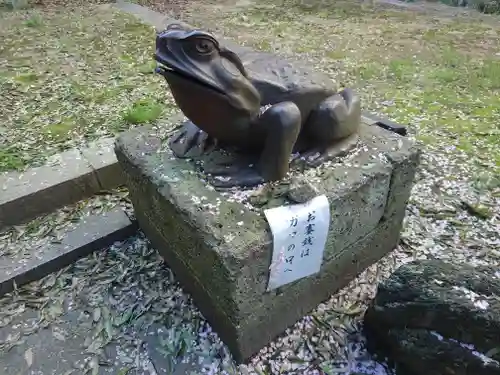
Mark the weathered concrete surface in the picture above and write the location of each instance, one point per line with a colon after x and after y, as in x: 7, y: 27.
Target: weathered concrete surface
x: 158, y: 20
x: 69, y: 177
x: 61, y: 350
x: 434, y: 318
x: 92, y: 233
x: 102, y: 159
x: 29, y: 194
x: 222, y: 255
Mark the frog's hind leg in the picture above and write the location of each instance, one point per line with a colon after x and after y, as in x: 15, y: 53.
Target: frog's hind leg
x: 332, y: 127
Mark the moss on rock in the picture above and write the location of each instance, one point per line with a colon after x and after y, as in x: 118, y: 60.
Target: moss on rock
x: 432, y: 317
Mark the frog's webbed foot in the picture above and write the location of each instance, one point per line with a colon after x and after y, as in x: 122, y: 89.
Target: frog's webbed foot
x: 332, y: 127
x: 247, y: 179
x: 318, y: 155
x: 190, y: 141
x: 240, y: 171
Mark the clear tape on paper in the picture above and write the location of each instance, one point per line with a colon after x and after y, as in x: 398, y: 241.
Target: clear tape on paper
x: 299, y: 237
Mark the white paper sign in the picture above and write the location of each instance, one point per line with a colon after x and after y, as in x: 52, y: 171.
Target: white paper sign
x: 299, y: 237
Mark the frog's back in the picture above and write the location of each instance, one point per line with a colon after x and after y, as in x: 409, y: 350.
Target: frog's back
x: 278, y: 79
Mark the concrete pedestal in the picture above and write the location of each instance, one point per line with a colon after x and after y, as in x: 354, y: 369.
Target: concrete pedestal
x: 220, y: 250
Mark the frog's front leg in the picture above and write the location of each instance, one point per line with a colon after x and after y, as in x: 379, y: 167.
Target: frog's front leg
x: 332, y: 127
x: 190, y: 141
x: 279, y: 126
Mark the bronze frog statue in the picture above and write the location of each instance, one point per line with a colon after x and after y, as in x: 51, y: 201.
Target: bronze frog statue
x: 256, y: 103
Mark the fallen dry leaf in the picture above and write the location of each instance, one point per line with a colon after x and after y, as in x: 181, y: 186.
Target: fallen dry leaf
x: 28, y: 357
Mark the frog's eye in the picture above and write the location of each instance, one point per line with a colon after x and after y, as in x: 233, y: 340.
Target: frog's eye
x: 175, y: 26
x: 204, y: 46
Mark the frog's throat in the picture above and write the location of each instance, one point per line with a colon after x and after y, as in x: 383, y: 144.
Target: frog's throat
x: 167, y: 71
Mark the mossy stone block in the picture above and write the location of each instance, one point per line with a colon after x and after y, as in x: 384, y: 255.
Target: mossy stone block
x: 220, y: 249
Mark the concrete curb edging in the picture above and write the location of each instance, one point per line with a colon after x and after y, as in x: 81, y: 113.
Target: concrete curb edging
x: 72, y: 176
x: 93, y: 233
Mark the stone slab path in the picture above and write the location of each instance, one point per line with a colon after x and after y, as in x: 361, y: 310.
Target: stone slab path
x: 67, y: 178
x: 60, y: 350
x: 91, y: 234
x: 55, y: 326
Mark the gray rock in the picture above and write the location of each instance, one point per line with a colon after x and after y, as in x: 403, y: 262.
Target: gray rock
x: 435, y: 318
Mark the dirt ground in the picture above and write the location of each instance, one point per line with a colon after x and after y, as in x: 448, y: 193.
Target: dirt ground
x: 432, y: 67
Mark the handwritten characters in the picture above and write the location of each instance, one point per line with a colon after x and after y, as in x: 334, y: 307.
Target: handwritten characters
x: 299, y: 237
x: 306, y: 240
x: 309, y: 231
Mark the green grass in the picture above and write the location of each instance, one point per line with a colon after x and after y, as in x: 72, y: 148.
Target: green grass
x: 67, y: 77
x: 34, y: 21
x: 438, y: 74
x: 26, y: 78
x: 60, y: 130
x: 11, y: 158
x: 142, y: 111
x: 88, y: 73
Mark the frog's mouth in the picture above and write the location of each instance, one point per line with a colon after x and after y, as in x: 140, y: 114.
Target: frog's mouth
x: 167, y: 69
